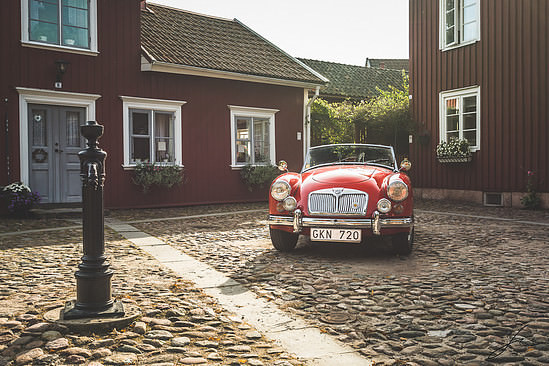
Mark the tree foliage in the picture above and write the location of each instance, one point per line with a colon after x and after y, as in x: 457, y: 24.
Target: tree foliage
x: 384, y: 119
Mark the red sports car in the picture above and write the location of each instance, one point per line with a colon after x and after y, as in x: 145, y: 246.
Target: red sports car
x: 344, y: 193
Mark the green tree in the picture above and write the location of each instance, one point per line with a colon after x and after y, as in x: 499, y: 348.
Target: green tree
x: 383, y: 119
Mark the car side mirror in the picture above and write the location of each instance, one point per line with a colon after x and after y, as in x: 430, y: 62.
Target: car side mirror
x: 405, y: 165
x: 283, y: 166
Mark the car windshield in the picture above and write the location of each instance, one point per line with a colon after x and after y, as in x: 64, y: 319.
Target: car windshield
x: 350, y: 154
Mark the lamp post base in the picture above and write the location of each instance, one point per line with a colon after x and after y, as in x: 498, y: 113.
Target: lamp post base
x: 71, y: 311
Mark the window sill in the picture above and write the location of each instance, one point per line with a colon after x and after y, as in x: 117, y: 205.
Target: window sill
x: 132, y: 166
x: 53, y: 47
x: 453, y: 47
x: 240, y: 167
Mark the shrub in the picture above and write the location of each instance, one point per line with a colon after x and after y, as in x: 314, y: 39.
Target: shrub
x: 19, y: 198
x: 258, y: 175
x: 531, y: 200
x: 150, y: 174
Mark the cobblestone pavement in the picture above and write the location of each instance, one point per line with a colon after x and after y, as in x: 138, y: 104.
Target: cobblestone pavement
x: 180, y: 325
x: 475, y: 291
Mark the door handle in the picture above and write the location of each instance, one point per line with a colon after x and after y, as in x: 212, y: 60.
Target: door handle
x: 58, y: 150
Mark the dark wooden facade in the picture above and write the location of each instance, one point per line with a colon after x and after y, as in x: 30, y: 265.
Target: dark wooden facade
x: 510, y: 65
x: 115, y: 72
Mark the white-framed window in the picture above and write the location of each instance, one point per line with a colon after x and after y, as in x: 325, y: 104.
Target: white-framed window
x: 459, y: 23
x: 152, y: 131
x: 67, y: 24
x: 252, y: 136
x: 460, y: 115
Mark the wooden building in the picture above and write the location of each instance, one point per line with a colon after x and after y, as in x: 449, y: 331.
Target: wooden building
x: 479, y: 70
x: 169, y: 86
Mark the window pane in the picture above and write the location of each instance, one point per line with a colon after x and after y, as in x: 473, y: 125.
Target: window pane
x: 75, y: 17
x: 243, y: 152
x: 75, y: 37
x: 450, y: 4
x: 242, y: 128
x: 470, y: 104
x: 46, y: 11
x: 261, y: 140
x: 73, y: 129
x: 469, y: 121
x: 449, y: 135
x: 39, y: 128
x: 43, y: 32
x: 452, y: 123
x: 450, y: 19
x: 471, y: 136
x: 140, y: 149
x: 470, y: 31
x: 469, y: 14
x: 163, y: 132
x: 469, y: 2
x: 452, y: 106
x: 83, y: 4
x: 140, y: 123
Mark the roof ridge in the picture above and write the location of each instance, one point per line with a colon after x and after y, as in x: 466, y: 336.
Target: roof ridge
x: 189, y: 11
x: 329, y: 62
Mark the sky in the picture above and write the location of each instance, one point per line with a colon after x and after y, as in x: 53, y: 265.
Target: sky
x: 343, y: 31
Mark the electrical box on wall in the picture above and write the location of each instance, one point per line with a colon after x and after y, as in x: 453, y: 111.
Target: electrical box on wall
x: 299, y: 136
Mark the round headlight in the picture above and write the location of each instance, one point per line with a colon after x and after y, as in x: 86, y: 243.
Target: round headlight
x: 384, y: 205
x: 397, y: 191
x: 280, y: 190
x: 289, y: 203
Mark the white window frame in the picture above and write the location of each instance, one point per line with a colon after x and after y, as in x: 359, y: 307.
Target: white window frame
x: 458, y: 25
x: 459, y: 93
x: 239, y: 111
x: 157, y: 105
x: 48, y: 97
x: 93, y: 47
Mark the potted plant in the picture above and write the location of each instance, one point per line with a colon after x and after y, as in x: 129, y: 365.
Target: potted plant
x: 150, y: 174
x: 18, y: 199
x: 258, y: 176
x: 454, y: 150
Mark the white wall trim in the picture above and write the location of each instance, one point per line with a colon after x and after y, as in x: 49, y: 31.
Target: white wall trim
x: 253, y: 112
x: 173, y: 106
x: 469, y: 91
x: 48, y: 97
x: 92, y: 50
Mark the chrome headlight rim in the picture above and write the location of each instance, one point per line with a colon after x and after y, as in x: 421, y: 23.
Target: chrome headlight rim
x: 397, y: 185
x: 289, y: 203
x: 280, y: 190
x: 384, y: 205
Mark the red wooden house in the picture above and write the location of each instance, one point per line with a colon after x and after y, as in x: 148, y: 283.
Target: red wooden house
x: 479, y: 70
x: 170, y: 86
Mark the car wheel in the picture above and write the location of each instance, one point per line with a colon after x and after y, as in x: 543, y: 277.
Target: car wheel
x: 283, y: 240
x: 402, y: 243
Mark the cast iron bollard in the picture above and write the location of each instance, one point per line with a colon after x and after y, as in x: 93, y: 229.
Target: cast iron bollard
x: 93, y: 278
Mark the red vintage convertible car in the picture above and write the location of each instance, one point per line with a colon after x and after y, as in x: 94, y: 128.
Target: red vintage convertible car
x: 344, y: 193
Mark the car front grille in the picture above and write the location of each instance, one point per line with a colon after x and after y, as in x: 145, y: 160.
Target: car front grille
x: 337, y: 201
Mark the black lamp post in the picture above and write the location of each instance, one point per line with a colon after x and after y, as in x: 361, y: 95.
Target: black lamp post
x: 93, y: 278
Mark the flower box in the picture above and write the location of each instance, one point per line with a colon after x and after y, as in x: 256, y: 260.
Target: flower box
x: 454, y: 159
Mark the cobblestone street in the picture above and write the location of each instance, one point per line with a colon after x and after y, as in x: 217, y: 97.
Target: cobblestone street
x: 475, y: 290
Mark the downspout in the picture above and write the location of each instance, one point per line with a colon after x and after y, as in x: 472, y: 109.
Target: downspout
x: 307, y: 132
x: 7, y: 143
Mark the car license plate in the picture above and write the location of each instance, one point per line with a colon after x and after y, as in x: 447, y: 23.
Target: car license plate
x: 341, y: 235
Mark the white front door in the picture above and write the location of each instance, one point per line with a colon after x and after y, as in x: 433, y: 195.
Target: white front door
x: 54, y: 143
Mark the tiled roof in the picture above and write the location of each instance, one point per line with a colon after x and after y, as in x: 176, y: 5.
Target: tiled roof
x: 355, y: 82
x: 179, y: 37
x: 388, y: 63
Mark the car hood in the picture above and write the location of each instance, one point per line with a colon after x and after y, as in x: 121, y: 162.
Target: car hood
x: 342, y: 174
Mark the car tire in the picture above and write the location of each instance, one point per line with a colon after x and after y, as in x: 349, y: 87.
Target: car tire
x: 403, y: 242
x: 282, y: 240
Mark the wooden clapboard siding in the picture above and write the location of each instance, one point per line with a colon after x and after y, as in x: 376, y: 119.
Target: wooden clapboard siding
x: 510, y: 63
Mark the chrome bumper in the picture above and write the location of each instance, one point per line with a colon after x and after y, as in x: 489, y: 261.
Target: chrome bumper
x: 375, y: 224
